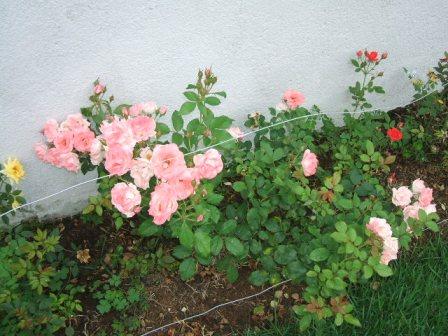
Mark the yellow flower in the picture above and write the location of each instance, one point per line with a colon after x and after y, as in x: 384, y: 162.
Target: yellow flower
x: 14, y: 170
x: 15, y: 204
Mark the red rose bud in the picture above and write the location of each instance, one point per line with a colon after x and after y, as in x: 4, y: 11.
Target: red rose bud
x: 394, y: 134
x: 384, y: 55
x: 359, y: 53
x: 372, y: 56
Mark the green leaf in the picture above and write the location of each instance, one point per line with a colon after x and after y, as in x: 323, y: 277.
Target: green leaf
x: 296, y: 270
x: 305, y: 322
x: 178, y: 121
x: 216, y: 245
x: 349, y: 318
x: 212, y: 101
x: 232, y: 273
x: 228, y: 227
x: 346, y: 204
x: 235, y: 246
x: 177, y: 138
x: 341, y: 227
x: 221, y: 93
x: 370, y: 147
x: 383, y: 270
x: 187, y: 108
x: 147, y: 228
x: 221, y: 122
x: 190, y: 95
x: 319, y: 254
x: 202, y: 243
x: 186, y: 236
x: 239, y: 186
x: 258, y: 278
x: 181, y: 252
x: 187, y: 269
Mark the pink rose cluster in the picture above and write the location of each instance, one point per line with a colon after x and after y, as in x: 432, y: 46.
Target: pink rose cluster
x: 411, y: 200
x: 65, y: 142
x: 382, y: 230
x: 175, y: 180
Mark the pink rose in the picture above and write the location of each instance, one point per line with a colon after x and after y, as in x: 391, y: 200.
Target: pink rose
x: 168, y: 161
x: 135, y: 110
x: 401, y: 197
x: 200, y: 218
x: 183, y: 184
x: 69, y: 161
x: 411, y: 211
x: 425, y: 197
x: 281, y: 107
x: 141, y: 172
x: 163, y: 203
x: 118, y: 160
x: 126, y: 198
x: 293, y: 99
x: 236, y: 133
x: 309, y: 163
x: 99, y: 88
x: 83, y: 140
x: 149, y: 107
x: 430, y: 209
x: 163, y: 109
x: 208, y: 165
x: 118, y: 132
x: 143, y: 127
x: 96, y: 152
x: 390, y: 250
x: 75, y: 122
x: 417, y: 186
x: 41, y: 151
x: 51, y: 129
x: 379, y: 227
x: 63, y: 142
x: 146, y: 153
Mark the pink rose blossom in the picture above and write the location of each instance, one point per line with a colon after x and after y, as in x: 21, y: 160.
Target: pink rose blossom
x: 69, y: 161
x: 168, y: 161
x: 126, y: 198
x: 293, y: 99
x: 163, y: 203
x: 141, y: 172
x: 183, y: 184
x: 163, y: 109
x: 281, y: 106
x: 63, y: 142
x: 390, y: 250
x: 208, y: 165
x: 41, y: 151
x: 236, y: 133
x: 146, y: 153
x: 309, y: 163
x: 379, y: 227
x: 200, y: 218
x: 417, y: 186
x: 51, y: 129
x: 430, y: 209
x: 118, y: 132
x: 99, y: 88
x: 411, y: 211
x: 97, y: 152
x: 83, y: 140
x: 149, y: 107
x: 118, y: 160
x: 401, y: 197
x: 75, y: 122
x: 425, y: 197
x: 143, y: 128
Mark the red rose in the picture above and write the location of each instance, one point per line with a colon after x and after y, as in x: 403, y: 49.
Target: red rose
x: 359, y: 53
x: 394, y: 134
x: 372, y: 56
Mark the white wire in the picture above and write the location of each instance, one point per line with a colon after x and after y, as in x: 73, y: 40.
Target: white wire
x: 224, y: 142
x: 227, y: 303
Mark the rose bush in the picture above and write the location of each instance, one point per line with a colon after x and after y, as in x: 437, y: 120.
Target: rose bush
x: 301, y: 202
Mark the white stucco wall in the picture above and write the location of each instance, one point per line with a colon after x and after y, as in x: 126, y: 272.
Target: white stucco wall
x: 51, y: 51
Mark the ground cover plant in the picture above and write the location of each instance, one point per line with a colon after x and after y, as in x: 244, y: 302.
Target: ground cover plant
x: 187, y: 195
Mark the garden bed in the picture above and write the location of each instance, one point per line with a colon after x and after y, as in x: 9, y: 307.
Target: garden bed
x: 196, y: 215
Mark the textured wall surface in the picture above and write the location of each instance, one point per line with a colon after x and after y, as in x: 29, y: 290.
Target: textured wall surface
x: 51, y: 51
